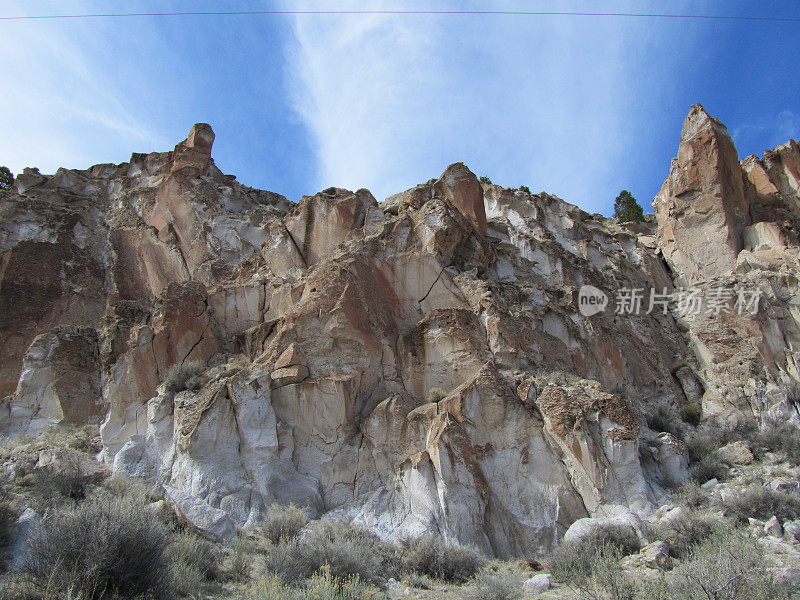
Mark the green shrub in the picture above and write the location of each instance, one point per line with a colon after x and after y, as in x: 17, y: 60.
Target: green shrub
x: 759, y: 502
x: 781, y: 437
x: 102, y: 548
x: 283, y: 522
x: 6, y: 178
x: 192, y: 562
x: 185, y: 376
x: 493, y: 586
x: 485, y: 180
x: 436, y: 394
x: 591, y: 569
x: 684, y: 532
x: 692, y: 413
x: 321, y: 586
x: 346, y: 549
x: 692, y: 495
x: 709, y: 467
x: 525, y: 189
x: 241, y: 559
x: 60, y: 482
x: 664, y: 418
x: 726, y: 566
x: 433, y: 556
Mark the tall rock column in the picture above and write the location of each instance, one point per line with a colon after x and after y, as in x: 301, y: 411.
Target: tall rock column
x: 460, y: 186
x: 701, y: 208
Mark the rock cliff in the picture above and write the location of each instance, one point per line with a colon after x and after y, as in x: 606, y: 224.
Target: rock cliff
x: 421, y: 364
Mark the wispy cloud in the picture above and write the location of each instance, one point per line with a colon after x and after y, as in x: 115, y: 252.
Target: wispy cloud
x: 554, y: 103
x: 65, y: 101
x: 774, y: 129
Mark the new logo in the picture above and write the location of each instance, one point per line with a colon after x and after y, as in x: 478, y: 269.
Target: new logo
x: 591, y: 300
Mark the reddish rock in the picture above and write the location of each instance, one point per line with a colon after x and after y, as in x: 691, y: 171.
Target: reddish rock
x: 701, y: 207
x: 290, y: 356
x: 461, y: 187
x: 195, y: 151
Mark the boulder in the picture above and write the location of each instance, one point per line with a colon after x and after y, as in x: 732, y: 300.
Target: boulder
x: 773, y: 528
x: 24, y: 529
x: 616, y: 516
x: 538, y: 583
x: 791, y: 531
x: 737, y: 453
x: 210, y: 522
x: 653, y: 556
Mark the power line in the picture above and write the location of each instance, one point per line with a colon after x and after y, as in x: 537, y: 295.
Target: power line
x: 401, y: 12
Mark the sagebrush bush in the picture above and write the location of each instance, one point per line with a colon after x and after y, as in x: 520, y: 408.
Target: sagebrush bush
x: 283, y: 522
x: 591, y: 569
x: 493, y: 586
x: 664, y: 418
x: 240, y: 561
x: 321, y: 586
x: 692, y: 495
x: 709, y: 467
x: 185, y: 376
x: 121, y: 486
x: 692, y: 413
x: 84, y: 438
x: 103, y: 547
x: 684, y: 532
x: 621, y: 537
x: 8, y: 519
x: 759, y: 502
x: 61, y: 481
x: 726, y: 566
x: 433, y: 556
x: 192, y: 560
x: 780, y: 437
x: 347, y: 549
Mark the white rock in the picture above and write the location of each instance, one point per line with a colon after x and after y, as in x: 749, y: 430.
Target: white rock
x: 791, y: 531
x: 538, y: 583
x: 209, y: 521
x: 773, y: 528
x: 26, y: 526
x: 617, y: 516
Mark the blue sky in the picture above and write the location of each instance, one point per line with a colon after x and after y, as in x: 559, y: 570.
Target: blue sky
x: 580, y: 107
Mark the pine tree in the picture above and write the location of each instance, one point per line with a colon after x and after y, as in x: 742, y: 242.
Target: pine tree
x: 626, y: 208
x: 6, y: 178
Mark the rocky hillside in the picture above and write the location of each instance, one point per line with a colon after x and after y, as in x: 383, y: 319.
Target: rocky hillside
x: 429, y: 363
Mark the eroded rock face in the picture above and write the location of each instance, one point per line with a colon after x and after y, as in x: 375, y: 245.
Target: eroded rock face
x: 701, y: 208
x: 729, y: 230
x: 420, y: 365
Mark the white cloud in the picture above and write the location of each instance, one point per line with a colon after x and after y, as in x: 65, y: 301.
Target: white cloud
x: 64, y: 101
x: 554, y: 103
x: 774, y: 129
